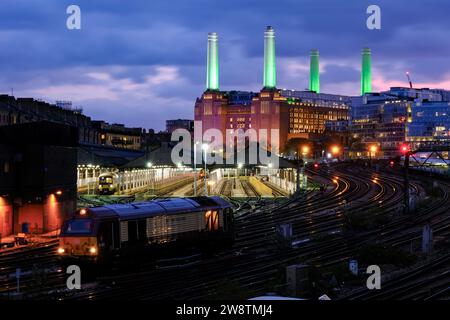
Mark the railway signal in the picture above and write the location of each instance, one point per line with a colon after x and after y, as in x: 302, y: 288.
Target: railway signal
x: 404, y: 148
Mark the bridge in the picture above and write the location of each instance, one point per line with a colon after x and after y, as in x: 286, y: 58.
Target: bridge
x: 432, y: 149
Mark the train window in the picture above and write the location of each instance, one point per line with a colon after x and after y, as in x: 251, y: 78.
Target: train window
x: 225, y: 220
x: 79, y: 226
x: 124, y: 231
x: 132, y: 232
x: 142, y: 230
x: 212, y: 220
x: 105, y: 235
x: 137, y: 231
x: 107, y: 180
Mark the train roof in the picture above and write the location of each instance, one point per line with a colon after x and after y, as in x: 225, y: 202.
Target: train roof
x: 157, y: 207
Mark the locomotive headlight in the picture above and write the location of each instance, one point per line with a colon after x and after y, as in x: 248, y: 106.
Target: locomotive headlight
x: 92, y: 250
x: 111, y: 185
x: 61, y: 250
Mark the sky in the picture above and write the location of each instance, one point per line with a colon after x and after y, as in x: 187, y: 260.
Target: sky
x: 140, y: 62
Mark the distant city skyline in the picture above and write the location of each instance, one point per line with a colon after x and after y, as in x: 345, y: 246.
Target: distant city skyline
x: 145, y: 62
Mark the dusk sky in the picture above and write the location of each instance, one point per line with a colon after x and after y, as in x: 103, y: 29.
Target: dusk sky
x: 140, y: 62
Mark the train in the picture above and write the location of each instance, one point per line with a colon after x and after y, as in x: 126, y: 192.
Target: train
x: 104, y: 234
x: 107, y: 183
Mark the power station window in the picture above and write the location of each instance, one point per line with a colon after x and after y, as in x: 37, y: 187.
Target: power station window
x: 208, y: 109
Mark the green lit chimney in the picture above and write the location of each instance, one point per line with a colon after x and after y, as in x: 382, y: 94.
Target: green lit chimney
x: 212, y: 72
x: 270, y: 77
x: 366, y: 72
x: 314, y: 77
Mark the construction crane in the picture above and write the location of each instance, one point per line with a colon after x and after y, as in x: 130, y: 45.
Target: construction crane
x: 409, y: 79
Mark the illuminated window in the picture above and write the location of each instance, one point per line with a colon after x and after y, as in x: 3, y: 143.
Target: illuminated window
x: 265, y: 107
x: 208, y: 109
x: 212, y: 220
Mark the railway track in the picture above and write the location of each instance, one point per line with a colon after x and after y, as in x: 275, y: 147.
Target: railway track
x: 256, y: 257
x: 246, y: 273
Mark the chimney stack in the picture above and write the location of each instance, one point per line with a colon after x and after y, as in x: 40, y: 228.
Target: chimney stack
x: 212, y: 72
x: 314, y: 77
x: 366, y: 72
x: 270, y: 77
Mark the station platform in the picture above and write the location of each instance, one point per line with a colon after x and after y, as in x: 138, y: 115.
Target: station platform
x: 261, y: 188
x: 247, y: 186
x: 237, y: 190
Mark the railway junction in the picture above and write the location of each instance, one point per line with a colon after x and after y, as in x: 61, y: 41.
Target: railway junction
x: 358, y: 216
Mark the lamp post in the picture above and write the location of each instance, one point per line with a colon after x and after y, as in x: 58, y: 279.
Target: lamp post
x: 335, y: 151
x: 152, y: 176
x: 239, y: 170
x: 270, y: 169
x: 205, y: 149
x: 305, y: 151
x: 372, y: 149
x: 195, y: 168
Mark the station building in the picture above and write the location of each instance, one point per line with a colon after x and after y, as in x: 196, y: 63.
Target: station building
x: 172, y: 125
x: 26, y: 110
x: 90, y: 132
x: 118, y: 136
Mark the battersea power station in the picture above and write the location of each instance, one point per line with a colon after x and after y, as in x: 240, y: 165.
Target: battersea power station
x: 301, y: 117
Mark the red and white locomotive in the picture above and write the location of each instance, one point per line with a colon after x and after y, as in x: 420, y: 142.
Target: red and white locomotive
x: 104, y: 233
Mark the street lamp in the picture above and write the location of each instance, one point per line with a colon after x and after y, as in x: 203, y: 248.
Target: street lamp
x: 269, y: 166
x: 195, y: 168
x: 305, y: 151
x: 372, y: 149
x: 205, y: 149
x: 335, y: 151
x: 238, y: 170
x: 152, y: 176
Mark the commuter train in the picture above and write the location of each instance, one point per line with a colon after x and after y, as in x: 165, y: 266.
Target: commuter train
x: 152, y: 228
x: 107, y: 183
